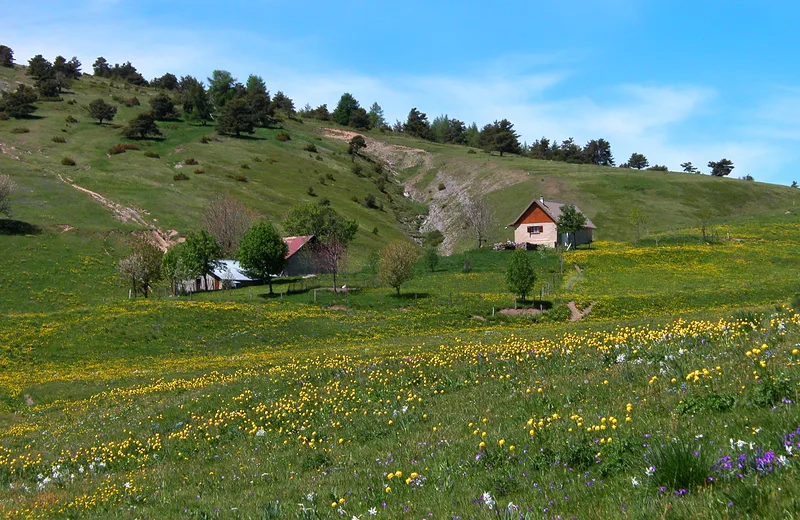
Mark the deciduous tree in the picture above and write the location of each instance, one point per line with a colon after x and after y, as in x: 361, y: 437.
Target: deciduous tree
x: 143, y: 267
x: 520, y: 275
x: 201, y: 254
x: 102, y: 111
x: 262, y: 252
x: 570, y: 221
x: 227, y: 219
x: 173, y: 268
x: 478, y: 215
x: 195, y: 100
x: 637, y: 218
x: 396, y: 265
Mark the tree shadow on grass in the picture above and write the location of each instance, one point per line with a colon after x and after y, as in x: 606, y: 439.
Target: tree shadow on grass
x: 244, y: 137
x: 411, y: 296
x: 18, y: 227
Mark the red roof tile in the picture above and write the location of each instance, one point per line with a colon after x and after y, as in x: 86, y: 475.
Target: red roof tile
x: 296, y: 243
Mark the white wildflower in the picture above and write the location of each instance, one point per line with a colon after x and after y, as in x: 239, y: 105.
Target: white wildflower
x: 650, y: 471
x: 634, y: 481
x: 488, y: 500
x: 372, y: 511
x: 260, y: 433
x: 127, y: 485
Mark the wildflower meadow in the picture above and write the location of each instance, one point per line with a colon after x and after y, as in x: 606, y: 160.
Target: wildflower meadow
x: 679, y: 419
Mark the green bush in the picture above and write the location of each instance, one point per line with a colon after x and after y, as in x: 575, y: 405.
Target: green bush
x: 245, y: 166
x: 199, y: 171
x: 59, y: 139
x: 190, y: 161
x: 153, y: 155
x: 692, y: 405
x: 20, y: 130
x: 3, y: 116
x: 283, y: 136
x: 442, y: 187
x: 70, y: 120
x: 310, y: 147
x: 180, y: 176
x: 238, y: 177
x: 68, y: 161
x: 369, y: 201
x: 311, y: 192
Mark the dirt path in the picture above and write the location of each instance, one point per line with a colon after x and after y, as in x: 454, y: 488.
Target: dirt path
x: 521, y: 312
x: 162, y: 240
x: 576, y: 314
x: 9, y: 151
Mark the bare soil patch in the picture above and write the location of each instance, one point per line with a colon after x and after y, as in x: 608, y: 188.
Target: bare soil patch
x: 521, y: 312
x: 578, y: 314
x: 396, y: 156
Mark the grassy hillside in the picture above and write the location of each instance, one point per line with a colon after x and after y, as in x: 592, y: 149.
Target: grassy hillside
x: 675, y: 397
x: 62, y: 247
x: 672, y: 201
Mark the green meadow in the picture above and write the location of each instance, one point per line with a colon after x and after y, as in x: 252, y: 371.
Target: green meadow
x: 674, y: 397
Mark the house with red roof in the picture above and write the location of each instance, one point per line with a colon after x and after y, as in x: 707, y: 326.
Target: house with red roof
x: 537, y: 225
x: 300, y: 257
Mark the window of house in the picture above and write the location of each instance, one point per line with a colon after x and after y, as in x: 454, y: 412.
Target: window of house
x: 535, y: 230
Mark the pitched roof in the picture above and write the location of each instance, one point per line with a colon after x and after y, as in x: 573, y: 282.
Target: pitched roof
x: 552, y: 209
x: 231, y: 270
x: 296, y: 243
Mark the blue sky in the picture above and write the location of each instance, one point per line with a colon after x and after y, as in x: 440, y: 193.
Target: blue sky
x: 675, y: 80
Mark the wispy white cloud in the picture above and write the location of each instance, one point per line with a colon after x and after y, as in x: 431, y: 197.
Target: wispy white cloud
x: 534, y: 91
